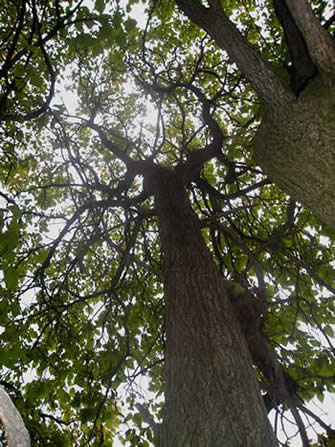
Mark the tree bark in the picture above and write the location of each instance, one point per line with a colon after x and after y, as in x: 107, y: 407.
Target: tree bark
x: 295, y: 147
x: 212, y: 396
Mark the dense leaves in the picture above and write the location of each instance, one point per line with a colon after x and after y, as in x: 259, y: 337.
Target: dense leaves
x: 81, y: 297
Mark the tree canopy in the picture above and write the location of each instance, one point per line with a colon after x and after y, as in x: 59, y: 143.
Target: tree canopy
x: 167, y: 220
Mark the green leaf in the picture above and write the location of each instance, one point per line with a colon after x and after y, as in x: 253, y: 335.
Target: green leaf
x: 87, y: 414
x: 100, y: 5
x: 329, y: 331
x: 130, y: 24
x: 11, y: 278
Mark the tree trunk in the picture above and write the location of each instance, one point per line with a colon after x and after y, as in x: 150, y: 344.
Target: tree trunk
x: 296, y: 147
x: 212, y: 396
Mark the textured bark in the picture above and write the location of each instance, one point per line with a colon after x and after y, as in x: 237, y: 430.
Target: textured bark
x: 296, y: 148
x: 212, y: 397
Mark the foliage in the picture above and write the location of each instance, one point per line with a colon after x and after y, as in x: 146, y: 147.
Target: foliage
x: 81, y: 296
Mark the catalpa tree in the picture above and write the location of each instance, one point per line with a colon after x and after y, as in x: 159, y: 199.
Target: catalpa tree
x: 167, y: 212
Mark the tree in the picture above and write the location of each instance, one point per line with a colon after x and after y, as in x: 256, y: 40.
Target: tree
x: 283, y: 140
x: 138, y: 247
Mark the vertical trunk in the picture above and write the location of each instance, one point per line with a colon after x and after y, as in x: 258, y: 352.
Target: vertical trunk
x: 212, y: 397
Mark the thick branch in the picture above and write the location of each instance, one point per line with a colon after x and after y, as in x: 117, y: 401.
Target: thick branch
x: 321, y: 46
x: 228, y: 37
x: 303, y: 67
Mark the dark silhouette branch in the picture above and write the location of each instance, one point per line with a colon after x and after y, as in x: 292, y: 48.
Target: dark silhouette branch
x: 14, y: 54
